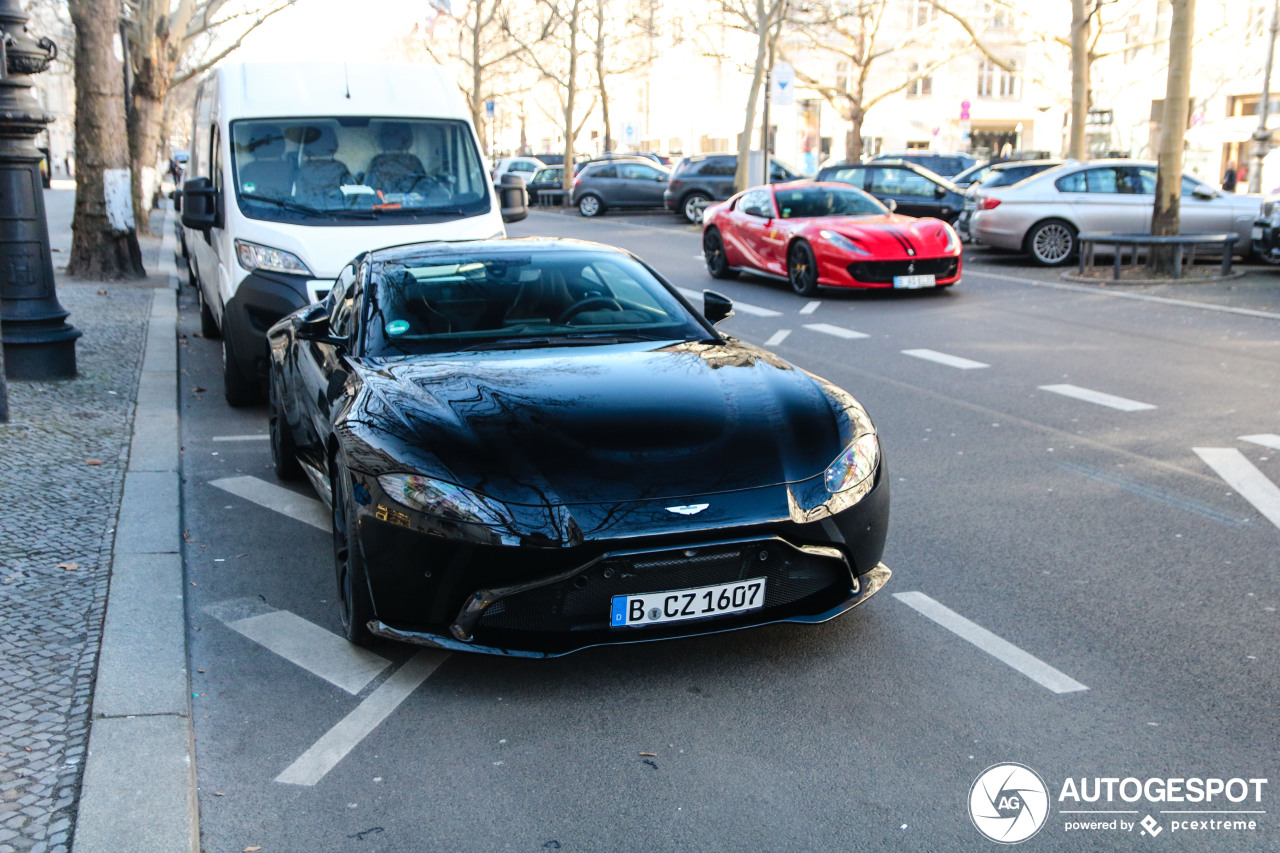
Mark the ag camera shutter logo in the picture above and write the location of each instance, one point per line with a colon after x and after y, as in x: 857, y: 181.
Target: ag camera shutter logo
x: 1008, y: 803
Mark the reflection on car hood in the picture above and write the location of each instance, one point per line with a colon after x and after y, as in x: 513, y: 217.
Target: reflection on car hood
x: 612, y: 423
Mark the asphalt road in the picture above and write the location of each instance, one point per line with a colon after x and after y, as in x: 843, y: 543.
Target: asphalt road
x: 1127, y: 590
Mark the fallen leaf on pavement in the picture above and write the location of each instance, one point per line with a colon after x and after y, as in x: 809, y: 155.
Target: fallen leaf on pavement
x: 71, y: 567
x: 197, y: 389
x: 100, y: 292
x: 93, y: 461
x: 650, y: 754
x: 251, y: 849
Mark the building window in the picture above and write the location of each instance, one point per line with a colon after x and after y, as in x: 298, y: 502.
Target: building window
x: 995, y: 82
x: 920, y: 87
x: 920, y: 12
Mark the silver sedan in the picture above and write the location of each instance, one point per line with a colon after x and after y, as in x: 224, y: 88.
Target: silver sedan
x: 1043, y: 215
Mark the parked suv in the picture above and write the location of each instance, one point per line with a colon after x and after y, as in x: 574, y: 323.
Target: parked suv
x: 705, y: 178
x: 602, y: 184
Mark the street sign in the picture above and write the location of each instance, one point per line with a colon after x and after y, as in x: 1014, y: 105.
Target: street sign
x: 489, y: 107
x: 783, y: 86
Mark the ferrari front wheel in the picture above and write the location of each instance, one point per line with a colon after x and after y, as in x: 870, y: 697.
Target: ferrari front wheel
x: 713, y: 251
x: 802, y: 270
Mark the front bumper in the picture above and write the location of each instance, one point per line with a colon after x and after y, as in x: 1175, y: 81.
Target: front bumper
x: 260, y: 300
x: 1266, y: 239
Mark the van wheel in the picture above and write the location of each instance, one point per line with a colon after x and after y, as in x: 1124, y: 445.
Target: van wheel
x: 590, y: 205
x: 208, y: 325
x: 240, y: 390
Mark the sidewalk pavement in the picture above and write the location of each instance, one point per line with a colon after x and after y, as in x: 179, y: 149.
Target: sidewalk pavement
x: 95, y: 735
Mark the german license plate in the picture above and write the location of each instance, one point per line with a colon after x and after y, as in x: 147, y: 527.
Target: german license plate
x: 1257, y: 233
x: 913, y: 281
x: 653, y: 608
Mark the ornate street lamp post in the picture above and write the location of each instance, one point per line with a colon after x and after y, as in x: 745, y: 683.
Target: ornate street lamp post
x: 38, y: 342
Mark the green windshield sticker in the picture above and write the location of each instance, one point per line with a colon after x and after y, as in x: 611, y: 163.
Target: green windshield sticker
x: 250, y: 187
x: 397, y: 327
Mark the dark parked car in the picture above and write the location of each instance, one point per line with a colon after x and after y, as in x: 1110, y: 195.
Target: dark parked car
x: 704, y: 178
x: 603, y: 184
x: 546, y: 178
x: 914, y: 190
x: 938, y: 162
x: 535, y: 446
x: 1004, y: 174
x: 971, y: 175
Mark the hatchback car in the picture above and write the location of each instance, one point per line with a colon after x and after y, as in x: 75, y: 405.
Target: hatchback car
x: 914, y: 190
x: 522, y: 166
x: 547, y: 178
x: 998, y: 175
x: 602, y: 184
x: 1043, y: 215
x: 704, y: 178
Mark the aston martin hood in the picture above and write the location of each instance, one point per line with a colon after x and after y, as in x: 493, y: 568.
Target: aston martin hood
x: 614, y: 423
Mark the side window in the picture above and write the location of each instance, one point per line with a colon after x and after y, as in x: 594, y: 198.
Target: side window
x: 604, y: 172
x: 1074, y: 183
x: 1146, y: 181
x: 757, y: 203
x: 215, y: 157
x: 1109, y: 180
x: 342, y: 302
x: 1189, y: 186
x: 901, y: 183
x: 722, y: 168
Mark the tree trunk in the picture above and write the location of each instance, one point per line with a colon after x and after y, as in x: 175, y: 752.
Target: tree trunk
x: 573, y: 21
x: 600, y: 75
x: 853, y: 142
x: 744, y: 141
x: 104, y: 244
x: 145, y: 122
x: 1165, y: 217
x: 1077, y: 147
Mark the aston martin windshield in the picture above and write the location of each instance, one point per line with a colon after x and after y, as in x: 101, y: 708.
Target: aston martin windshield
x: 357, y: 168
x: 803, y: 201
x: 496, y: 300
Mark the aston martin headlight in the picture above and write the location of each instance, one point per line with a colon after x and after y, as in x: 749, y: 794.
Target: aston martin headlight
x: 440, y: 499
x: 842, y: 242
x: 254, y: 257
x: 855, y: 465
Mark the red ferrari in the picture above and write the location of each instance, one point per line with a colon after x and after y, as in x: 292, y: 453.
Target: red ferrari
x: 828, y: 234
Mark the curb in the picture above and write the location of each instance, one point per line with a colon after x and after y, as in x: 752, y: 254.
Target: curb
x: 139, y: 786
x: 1201, y: 279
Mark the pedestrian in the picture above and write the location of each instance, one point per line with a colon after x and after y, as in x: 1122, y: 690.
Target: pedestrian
x: 1229, y: 177
x: 1242, y: 173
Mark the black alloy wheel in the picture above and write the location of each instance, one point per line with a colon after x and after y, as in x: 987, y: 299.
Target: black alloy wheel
x: 713, y: 251
x: 802, y: 270
x: 355, y: 608
x: 284, y: 452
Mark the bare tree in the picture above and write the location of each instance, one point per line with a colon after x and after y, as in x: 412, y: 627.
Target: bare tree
x: 616, y: 53
x: 1082, y: 12
x: 104, y: 243
x: 762, y: 19
x: 1166, y: 215
x: 164, y: 40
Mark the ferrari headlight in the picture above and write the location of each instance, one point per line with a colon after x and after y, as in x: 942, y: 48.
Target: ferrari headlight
x: 440, y: 499
x: 254, y: 257
x: 953, y: 239
x: 842, y: 242
x: 855, y: 465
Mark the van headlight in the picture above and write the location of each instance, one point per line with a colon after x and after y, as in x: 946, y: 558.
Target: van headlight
x: 254, y: 257
x: 854, y: 467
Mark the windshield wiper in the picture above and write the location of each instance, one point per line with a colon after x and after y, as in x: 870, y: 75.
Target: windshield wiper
x: 303, y: 208
x: 570, y: 339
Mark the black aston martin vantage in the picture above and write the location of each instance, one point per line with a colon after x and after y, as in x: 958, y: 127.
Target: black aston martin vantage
x: 535, y: 446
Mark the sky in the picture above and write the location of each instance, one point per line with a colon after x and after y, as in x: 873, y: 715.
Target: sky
x: 332, y: 29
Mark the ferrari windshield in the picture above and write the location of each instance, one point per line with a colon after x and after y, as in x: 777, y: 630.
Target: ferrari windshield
x: 795, y: 202
x: 512, y: 299
x: 357, y: 169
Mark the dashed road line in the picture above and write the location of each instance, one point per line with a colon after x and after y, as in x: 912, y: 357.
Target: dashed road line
x: 314, y: 764
x: 1266, y: 440
x: 1000, y: 649
x: 943, y: 358
x: 777, y: 337
x: 255, y: 437
x: 810, y: 307
x: 1241, y: 475
x: 311, y: 647
x: 836, y: 331
x: 281, y: 500
x: 742, y: 307
x: 1097, y: 397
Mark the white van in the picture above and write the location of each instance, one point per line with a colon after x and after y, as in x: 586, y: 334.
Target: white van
x: 296, y: 168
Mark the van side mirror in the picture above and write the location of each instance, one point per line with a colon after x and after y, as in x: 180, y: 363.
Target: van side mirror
x: 512, y: 198
x: 200, y: 205
x: 716, y: 306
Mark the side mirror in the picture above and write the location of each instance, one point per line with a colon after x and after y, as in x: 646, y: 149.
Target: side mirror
x: 512, y: 198
x: 201, y: 210
x: 1205, y: 193
x: 313, y: 325
x: 716, y: 306
x: 891, y: 204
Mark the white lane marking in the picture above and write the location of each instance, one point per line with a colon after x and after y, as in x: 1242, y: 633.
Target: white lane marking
x: 838, y: 331
x: 699, y: 257
x: 778, y: 337
x: 1241, y: 475
x: 324, y: 755
x: 1101, y: 399
x: 810, y: 307
x: 1002, y: 650
x: 1266, y: 440
x: 254, y: 437
x: 943, y: 358
x: 742, y: 307
x: 311, y: 647
x: 307, y: 510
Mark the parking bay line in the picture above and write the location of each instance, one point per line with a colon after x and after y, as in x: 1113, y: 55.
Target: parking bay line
x: 1241, y: 474
x: 1266, y: 440
x: 836, y: 331
x: 810, y: 307
x: 281, y: 500
x: 1002, y: 650
x: 255, y: 437
x: 943, y: 358
x: 777, y: 337
x: 311, y: 647
x: 742, y: 307
x: 324, y: 755
x: 1110, y: 400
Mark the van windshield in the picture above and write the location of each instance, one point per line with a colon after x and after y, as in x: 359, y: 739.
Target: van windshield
x: 360, y: 170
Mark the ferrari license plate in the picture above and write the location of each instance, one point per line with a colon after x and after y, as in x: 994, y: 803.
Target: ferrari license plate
x: 653, y: 608
x: 914, y: 281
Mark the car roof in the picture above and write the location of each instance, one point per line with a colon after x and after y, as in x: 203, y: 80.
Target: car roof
x: 1014, y: 164
x: 504, y: 246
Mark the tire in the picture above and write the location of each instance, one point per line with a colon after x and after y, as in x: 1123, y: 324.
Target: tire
x: 284, y: 452
x: 690, y: 204
x: 802, y: 270
x: 713, y: 251
x: 240, y: 390
x: 355, y: 607
x: 590, y: 205
x: 208, y: 325
x: 1052, y: 243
